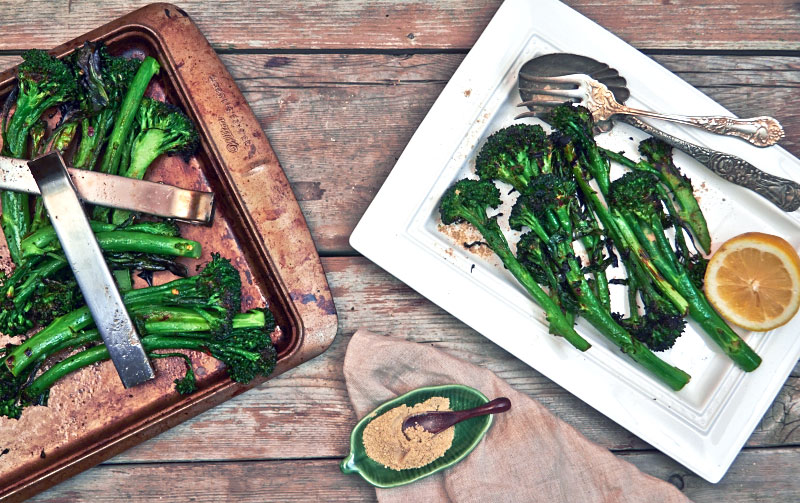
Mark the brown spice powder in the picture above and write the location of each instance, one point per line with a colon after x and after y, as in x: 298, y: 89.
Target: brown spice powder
x: 464, y: 233
x: 386, y: 443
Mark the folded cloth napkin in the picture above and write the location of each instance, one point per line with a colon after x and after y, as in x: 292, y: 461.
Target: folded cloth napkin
x: 528, y: 455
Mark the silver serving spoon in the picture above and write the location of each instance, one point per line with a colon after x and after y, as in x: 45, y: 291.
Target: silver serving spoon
x: 783, y: 193
x: 438, y: 421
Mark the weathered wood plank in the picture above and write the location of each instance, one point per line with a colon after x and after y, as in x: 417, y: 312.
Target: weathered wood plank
x: 417, y: 24
x: 284, y: 481
x: 353, y: 114
x: 306, y: 413
x: 758, y: 475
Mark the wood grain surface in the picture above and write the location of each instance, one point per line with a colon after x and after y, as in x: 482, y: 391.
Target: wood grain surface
x: 416, y: 24
x: 339, y: 88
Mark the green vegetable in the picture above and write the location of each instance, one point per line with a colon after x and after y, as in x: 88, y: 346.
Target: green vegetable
x: 162, y: 129
x: 215, y: 294
x: 552, y: 238
x: 127, y: 114
x: 637, y: 208
x: 469, y: 200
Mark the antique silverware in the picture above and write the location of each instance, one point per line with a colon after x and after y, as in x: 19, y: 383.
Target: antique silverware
x: 594, y: 95
x: 118, y: 192
x: 91, y: 271
x: 560, y: 63
x: 783, y: 193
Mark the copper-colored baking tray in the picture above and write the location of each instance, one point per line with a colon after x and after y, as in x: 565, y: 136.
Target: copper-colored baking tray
x: 258, y: 224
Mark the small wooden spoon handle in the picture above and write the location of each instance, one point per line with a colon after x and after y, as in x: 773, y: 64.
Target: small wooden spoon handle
x: 435, y: 422
x: 497, y: 405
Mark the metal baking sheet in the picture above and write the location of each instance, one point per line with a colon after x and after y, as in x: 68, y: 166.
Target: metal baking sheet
x: 258, y: 225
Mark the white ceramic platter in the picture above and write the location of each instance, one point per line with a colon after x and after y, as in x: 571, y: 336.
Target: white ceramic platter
x: 703, y: 426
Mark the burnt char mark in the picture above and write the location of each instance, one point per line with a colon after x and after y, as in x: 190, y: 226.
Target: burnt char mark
x: 474, y: 243
x: 277, y: 61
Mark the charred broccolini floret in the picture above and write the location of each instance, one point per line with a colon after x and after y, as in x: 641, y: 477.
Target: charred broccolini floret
x: 512, y: 155
x: 103, y: 81
x: 43, y: 82
x: 576, y: 124
x: 160, y: 129
x: 469, y: 200
x: 636, y: 207
x: 554, y: 195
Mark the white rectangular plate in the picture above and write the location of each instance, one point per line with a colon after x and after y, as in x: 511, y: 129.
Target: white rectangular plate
x: 703, y: 426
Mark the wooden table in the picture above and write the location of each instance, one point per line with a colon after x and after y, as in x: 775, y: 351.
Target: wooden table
x: 339, y: 87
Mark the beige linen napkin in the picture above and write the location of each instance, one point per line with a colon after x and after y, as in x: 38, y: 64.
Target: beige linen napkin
x: 528, y: 455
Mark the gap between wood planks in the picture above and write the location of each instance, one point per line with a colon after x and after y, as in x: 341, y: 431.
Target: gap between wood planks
x: 403, y: 52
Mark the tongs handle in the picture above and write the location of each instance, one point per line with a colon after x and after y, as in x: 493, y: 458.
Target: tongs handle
x: 112, y: 191
x: 90, y: 269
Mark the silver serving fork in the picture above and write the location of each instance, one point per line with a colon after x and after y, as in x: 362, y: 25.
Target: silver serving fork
x: 761, y: 131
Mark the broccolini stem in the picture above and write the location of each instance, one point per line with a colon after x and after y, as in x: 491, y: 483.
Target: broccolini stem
x: 680, y: 242
x: 559, y: 325
x: 104, y: 214
x: 127, y: 241
x: 123, y: 279
x: 174, y: 320
x: 62, y: 329
x: 699, y: 308
x: 603, y: 294
x: 93, y: 135
x: 119, y: 241
x: 44, y: 270
x: 36, y: 243
x: 100, y: 353
x: 595, y: 313
x: 250, y: 319
x: 127, y: 113
x: 688, y: 210
x: 672, y: 376
x: 15, y: 221
x: 39, y: 215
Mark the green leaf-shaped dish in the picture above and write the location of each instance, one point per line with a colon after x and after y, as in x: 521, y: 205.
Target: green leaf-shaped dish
x: 467, y: 435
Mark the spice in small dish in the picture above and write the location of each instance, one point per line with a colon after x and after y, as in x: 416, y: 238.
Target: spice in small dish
x: 385, y: 442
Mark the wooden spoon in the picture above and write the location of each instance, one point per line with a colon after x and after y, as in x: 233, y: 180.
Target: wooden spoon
x: 435, y: 422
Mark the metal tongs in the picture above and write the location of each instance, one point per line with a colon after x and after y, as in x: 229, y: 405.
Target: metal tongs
x: 116, y: 191
x: 62, y: 190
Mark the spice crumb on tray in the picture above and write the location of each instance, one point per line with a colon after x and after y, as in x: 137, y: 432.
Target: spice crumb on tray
x: 385, y: 442
x: 467, y: 238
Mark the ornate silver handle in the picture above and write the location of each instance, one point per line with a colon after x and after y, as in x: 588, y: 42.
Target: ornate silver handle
x: 783, y: 193
x: 760, y: 131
